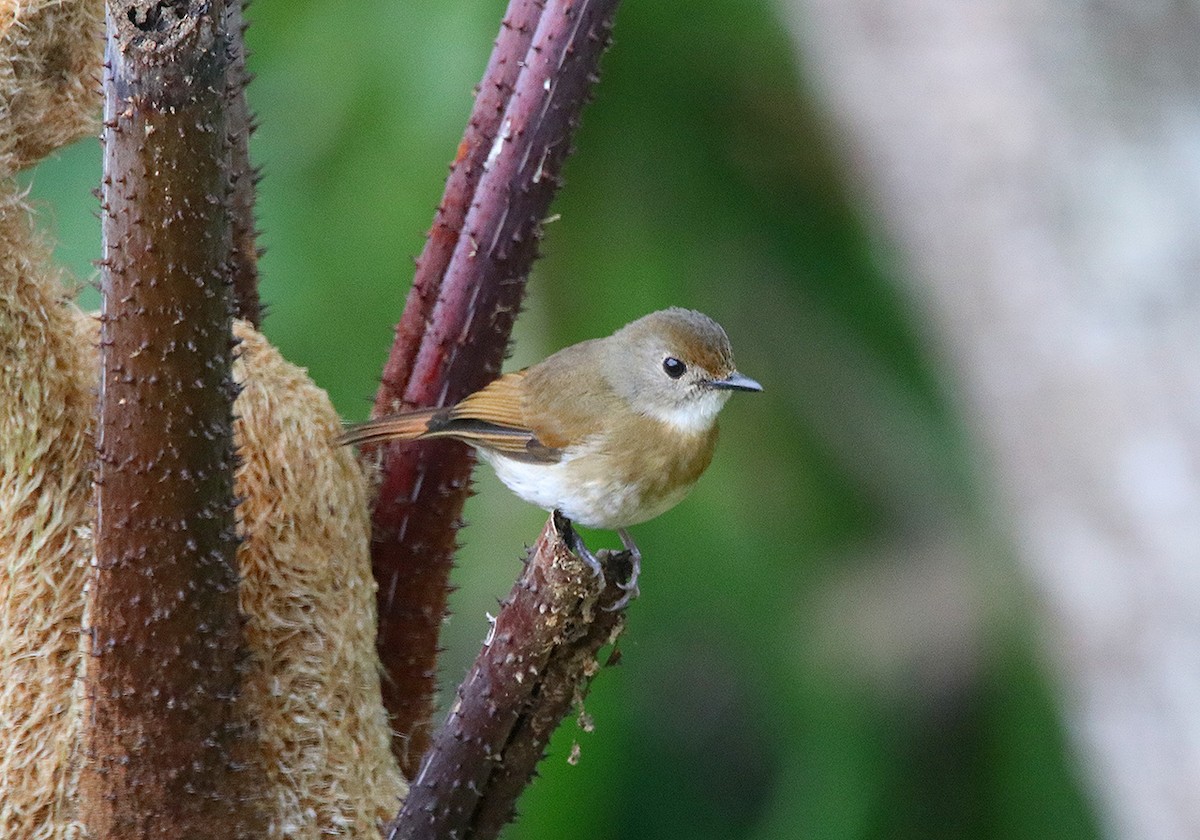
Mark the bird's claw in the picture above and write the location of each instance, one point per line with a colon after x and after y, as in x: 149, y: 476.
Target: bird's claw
x: 577, y: 545
x: 631, y: 590
x: 629, y: 586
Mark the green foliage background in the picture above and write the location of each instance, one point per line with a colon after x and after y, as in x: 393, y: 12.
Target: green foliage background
x: 831, y: 641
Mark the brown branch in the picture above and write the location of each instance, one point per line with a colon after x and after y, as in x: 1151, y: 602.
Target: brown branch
x: 537, y: 661
x: 162, y: 609
x: 455, y: 330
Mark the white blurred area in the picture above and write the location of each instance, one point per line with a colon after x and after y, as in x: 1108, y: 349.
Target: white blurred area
x: 1037, y: 167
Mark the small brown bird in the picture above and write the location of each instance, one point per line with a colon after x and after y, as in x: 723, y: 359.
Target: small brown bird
x: 610, y: 432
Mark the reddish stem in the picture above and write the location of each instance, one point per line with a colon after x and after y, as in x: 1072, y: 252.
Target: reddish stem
x: 455, y: 331
x: 491, y: 100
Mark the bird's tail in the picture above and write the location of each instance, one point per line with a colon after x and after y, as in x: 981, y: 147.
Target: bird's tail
x: 407, y: 426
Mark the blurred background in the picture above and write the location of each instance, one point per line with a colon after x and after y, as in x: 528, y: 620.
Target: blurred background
x: 878, y: 616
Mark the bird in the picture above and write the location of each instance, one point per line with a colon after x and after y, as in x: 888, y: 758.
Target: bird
x: 609, y: 432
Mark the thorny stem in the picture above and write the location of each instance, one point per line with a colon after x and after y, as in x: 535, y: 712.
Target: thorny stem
x: 455, y: 329
x: 537, y: 660
x: 162, y: 605
x: 491, y: 100
x: 243, y: 176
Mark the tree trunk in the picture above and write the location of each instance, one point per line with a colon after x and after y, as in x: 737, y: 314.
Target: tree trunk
x: 1036, y: 165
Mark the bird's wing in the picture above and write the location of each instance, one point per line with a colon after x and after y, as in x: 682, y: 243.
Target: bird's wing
x: 494, y: 418
x: 497, y: 403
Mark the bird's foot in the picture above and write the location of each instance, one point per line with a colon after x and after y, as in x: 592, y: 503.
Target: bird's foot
x: 577, y: 545
x: 630, y: 585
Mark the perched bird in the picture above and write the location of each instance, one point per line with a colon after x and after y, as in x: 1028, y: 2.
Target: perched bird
x: 610, y: 432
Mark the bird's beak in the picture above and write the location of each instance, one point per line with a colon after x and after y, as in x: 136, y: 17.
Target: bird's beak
x: 735, y: 382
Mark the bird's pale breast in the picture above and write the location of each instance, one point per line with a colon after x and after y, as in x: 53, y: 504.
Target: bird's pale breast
x: 636, y: 471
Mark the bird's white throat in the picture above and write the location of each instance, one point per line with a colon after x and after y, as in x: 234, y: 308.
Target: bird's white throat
x: 696, y: 416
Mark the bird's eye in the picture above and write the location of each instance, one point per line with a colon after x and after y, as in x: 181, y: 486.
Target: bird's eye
x: 674, y: 367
